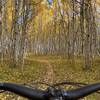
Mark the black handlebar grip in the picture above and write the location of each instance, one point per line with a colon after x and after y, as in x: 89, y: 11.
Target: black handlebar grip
x: 24, y: 91
x: 81, y: 92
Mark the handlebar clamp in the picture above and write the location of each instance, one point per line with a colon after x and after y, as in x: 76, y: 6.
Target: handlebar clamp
x: 55, y: 94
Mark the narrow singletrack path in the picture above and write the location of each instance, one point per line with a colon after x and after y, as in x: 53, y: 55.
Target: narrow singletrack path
x: 49, y: 78
x: 49, y: 71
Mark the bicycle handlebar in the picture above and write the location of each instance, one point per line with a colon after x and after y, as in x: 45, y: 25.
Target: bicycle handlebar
x: 45, y: 95
x: 23, y: 91
x: 81, y: 92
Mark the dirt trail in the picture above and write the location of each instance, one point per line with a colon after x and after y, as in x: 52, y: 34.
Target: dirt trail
x: 49, y: 74
x: 49, y: 78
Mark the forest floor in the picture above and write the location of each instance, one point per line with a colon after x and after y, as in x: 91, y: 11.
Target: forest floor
x: 49, y: 69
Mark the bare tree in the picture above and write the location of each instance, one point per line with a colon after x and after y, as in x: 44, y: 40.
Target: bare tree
x: 15, y: 33
x: 0, y: 25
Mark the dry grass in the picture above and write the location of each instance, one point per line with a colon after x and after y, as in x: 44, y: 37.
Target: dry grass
x: 35, y: 70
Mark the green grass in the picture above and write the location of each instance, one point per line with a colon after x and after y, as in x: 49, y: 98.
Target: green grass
x: 34, y: 71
